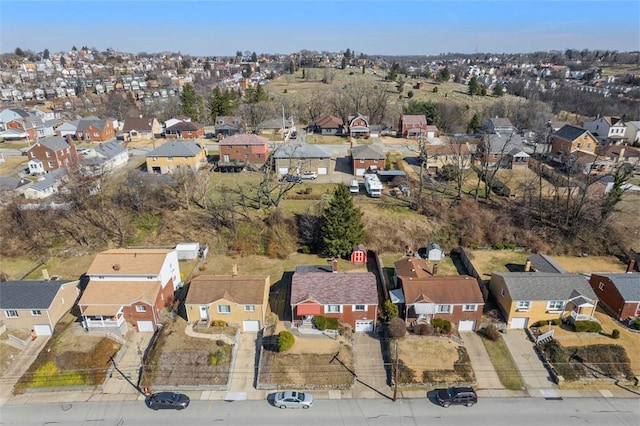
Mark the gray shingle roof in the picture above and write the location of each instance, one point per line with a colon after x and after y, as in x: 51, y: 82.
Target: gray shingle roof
x: 176, y: 149
x: 367, y: 152
x: 627, y: 284
x: 499, y: 143
x: 300, y: 150
x: 341, y: 288
x: 110, y: 149
x: 55, y: 143
x: 569, y: 132
x: 28, y: 294
x: 92, y: 121
x: 546, y: 286
x: 544, y: 263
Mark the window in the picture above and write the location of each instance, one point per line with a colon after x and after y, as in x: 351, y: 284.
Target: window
x: 601, y: 286
x: 11, y: 313
x: 469, y: 308
x: 169, y: 158
x: 50, y: 163
x: 249, y: 308
x: 48, y: 154
x: 224, y: 309
x: 155, y: 158
x: 36, y: 312
x: 360, y: 308
x: 362, y: 161
x: 140, y: 308
x: 444, y: 309
x: 502, y: 292
x: 555, y: 305
x: 523, y: 305
x: 333, y: 309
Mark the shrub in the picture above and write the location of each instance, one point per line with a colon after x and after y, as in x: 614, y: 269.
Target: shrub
x: 285, y: 340
x: 345, y: 331
x: 305, y: 250
x: 587, y: 327
x: 498, y: 246
x: 435, y: 90
x: 405, y: 374
x: 397, y: 328
x: 491, y: 333
x: 441, y: 325
x: 218, y: 323
x: 220, y: 343
x: 308, y: 190
x: 542, y: 323
x: 221, y: 356
x: 635, y: 325
x: 319, y: 322
x: 332, y: 324
x: 423, y: 329
x: 615, y: 333
x: 390, y: 310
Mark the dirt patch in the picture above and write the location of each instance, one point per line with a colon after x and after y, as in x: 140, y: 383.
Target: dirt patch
x: 314, y: 369
x: 179, y: 360
x: 427, y: 359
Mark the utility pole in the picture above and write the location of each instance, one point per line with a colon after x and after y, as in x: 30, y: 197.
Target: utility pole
x: 395, y: 375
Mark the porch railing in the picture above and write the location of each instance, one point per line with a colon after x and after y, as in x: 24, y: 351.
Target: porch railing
x: 103, y: 323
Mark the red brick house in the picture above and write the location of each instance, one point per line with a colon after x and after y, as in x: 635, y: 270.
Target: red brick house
x: 365, y: 157
x: 244, y: 148
x: 351, y: 297
x: 455, y: 298
x: 359, y: 126
x: 412, y: 126
x: 619, y: 293
x: 185, y: 130
x: 51, y: 154
x: 95, y: 130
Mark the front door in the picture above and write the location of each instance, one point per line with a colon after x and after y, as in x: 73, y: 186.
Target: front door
x: 204, y: 313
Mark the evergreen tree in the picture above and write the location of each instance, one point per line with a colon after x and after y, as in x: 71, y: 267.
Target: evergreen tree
x: 253, y: 95
x: 474, y: 88
x: 342, y: 227
x: 221, y: 103
x: 254, y: 57
x: 45, y: 54
x: 206, y: 66
x: 444, y: 74
x: 191, y: 102
x: 19, y: 52
x: 474, y: 123
x: 498, y: 90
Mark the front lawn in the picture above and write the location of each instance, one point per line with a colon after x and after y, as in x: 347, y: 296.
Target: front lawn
x: 503, y: 363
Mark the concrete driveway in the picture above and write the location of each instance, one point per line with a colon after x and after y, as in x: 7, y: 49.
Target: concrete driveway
x: 486, y: 376
x: 371, y: 376
x: 535, y: 375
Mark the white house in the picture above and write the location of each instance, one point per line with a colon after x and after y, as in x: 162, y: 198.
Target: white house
x: 108, y: 157
x: 601, y: 127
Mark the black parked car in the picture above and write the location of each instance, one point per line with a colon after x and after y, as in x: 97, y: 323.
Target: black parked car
x: 292, y: 178
x: 164, y: 400
x: 457, y: 396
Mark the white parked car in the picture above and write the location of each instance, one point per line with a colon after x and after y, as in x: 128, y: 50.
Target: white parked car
x: 309, y: 175
x: 293, y: 399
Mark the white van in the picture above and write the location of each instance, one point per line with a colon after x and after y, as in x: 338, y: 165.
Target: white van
x: 354, y: 188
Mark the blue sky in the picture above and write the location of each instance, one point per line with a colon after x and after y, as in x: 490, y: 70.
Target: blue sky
x: 220, y: 28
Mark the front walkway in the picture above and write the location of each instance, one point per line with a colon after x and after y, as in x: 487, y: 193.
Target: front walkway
x: 536, y: 377
x: 371, y: 376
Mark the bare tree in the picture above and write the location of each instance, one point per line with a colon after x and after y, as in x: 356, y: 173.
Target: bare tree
x: 254, y: 114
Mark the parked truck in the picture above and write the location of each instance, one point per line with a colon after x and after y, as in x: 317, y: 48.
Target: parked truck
x: 373, y: 185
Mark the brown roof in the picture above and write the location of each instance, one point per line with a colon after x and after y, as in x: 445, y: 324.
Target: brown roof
x: 416, y: 120
x: 137, y: 123
x: 207, y: 289
x: 412, y: 267
x: 444, y: 289
x: 244, y: 139
x: 128, y: 262
x: 186, y: 125
x: 119, y: 293
x: 339, y: 288
x: 329, y: 122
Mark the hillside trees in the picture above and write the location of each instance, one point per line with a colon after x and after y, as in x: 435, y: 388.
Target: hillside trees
x: 221, y: 103
x: 192, y: 103
x: 342, y: 227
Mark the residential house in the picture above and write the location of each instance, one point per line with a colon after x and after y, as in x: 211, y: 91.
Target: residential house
x: 367, y: 157
x: 141, y: 128
x: 525, y: 298
x: 633, y: 132
x: 241, y: 301
x: 276, y: 126
x: 351, y: 297
x: 517, y: 159
x: 296, y: 158
x: 570, y: 139
x: 129, y: 286
x: 450, y: 154
x: 606, y: 129
x: 70, y: 128
x: 618, y: 293
x: 175, y: 120
x: 243, y: 149
x: 46, y: 186
x: 427, y: 296
x: 327, y: 125
x: 359, y: 126
x: 51, y: 154
x: 36, y: 305
x: 95, y: 130
x: 9, y: 186
x: 503, y: 150
x: 542, y: 263
x: 620, y: 155
x: 108, y: 157
x: 184, y: 130
x: 173, y: 156
x: 499, y: 125
x: 412, y: 126
x: 228, y: 126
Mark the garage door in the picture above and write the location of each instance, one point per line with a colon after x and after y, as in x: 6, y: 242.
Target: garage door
x: 360, y: 172
x: 364, y: 325
x: 283, y: 170
x: 145, y: 326
x: 468, y: 325
x: 431, y: 135
x: 42, y: 330
x: 518, y: 322
x: 322, y: 170
x: 251, y: 325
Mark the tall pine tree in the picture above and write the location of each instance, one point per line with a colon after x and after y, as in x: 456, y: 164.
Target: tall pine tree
x: 342, y: 227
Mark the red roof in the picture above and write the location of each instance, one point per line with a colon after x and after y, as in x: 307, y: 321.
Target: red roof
x: 416, y: 120
x: 339, y: 288
x: 244, y: 139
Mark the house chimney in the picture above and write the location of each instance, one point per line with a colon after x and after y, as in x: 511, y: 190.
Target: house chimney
x: 45, y: 275
x: 116, y: 267
x: 630, y: 266
x: 234, y: 270
x: 621, y: 155
x: 527, y: 266
x: 435, y: 269
x: 334, y: 265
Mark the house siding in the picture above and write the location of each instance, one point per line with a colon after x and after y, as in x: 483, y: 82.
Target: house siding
x: 254, y: 154
x: 177, y: 162
x: 454, y: 317
x: 304, y: 164
x: 348, y: 315
x: 611, y: 297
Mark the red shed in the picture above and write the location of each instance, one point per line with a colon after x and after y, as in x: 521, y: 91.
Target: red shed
x: 359, y: 255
